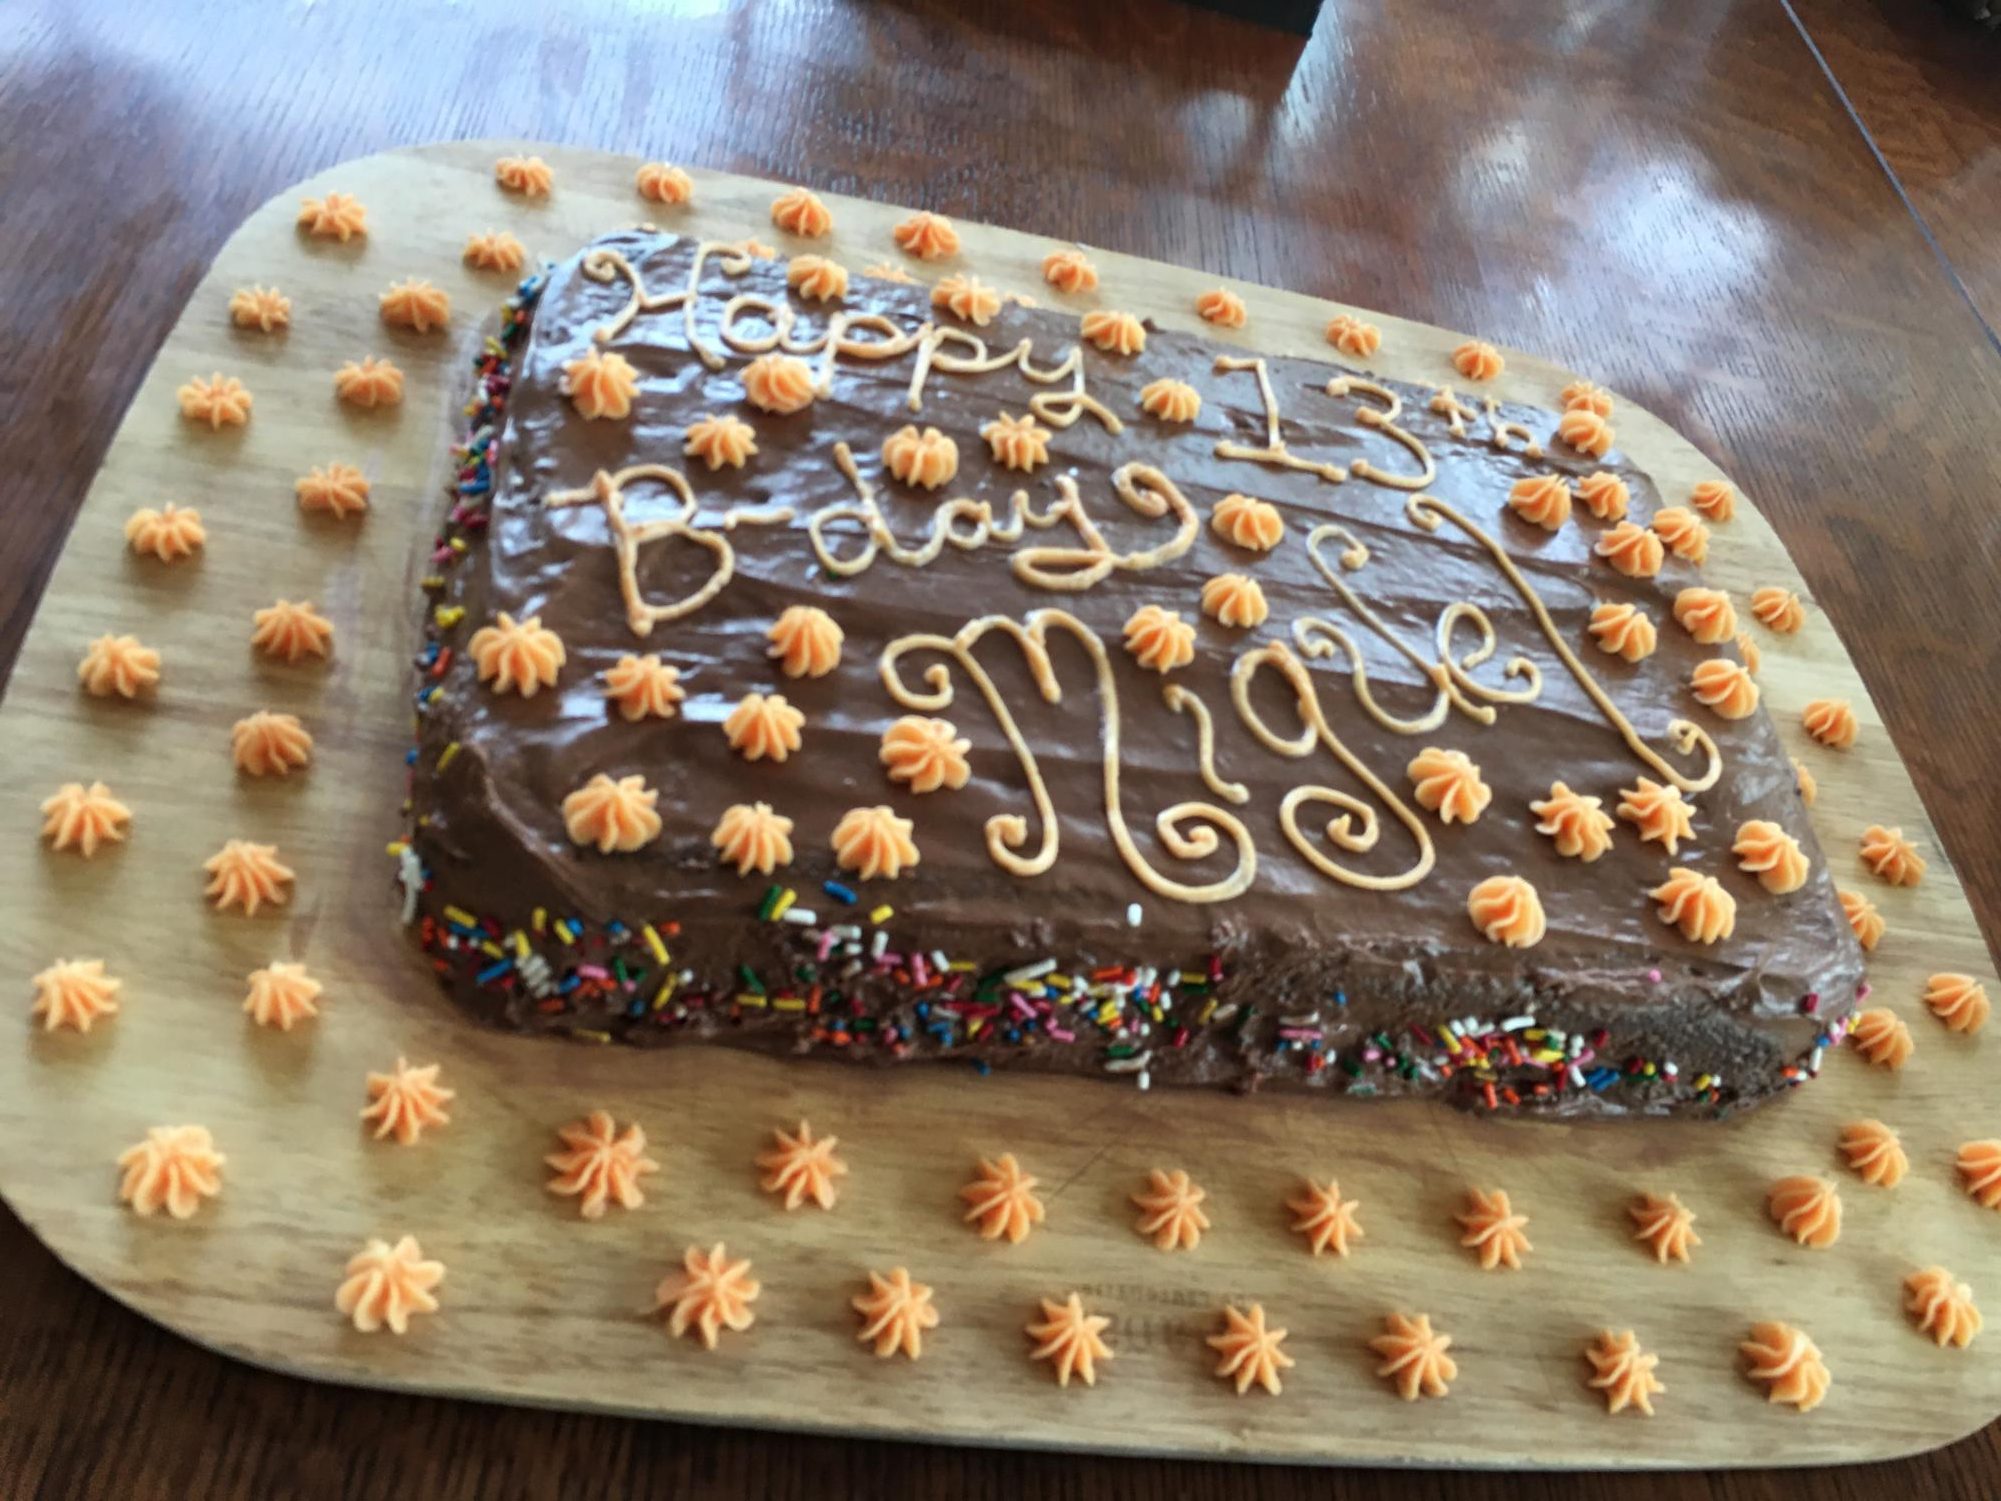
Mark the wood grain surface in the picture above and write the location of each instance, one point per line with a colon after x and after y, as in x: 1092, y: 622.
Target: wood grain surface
x: 1789, y: 321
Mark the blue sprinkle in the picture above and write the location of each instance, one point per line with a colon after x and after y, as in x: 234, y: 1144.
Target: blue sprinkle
x: 493, y: 972
x: 982, y: 1067
x: 839, y: 893
x: 1340, y: 997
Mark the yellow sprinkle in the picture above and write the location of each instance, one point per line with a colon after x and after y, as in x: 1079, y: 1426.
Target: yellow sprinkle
x: 745, y: 998
x: 448, y: 755
x: 448, y: 616
x: 594, y: 1036
x: 1193, y: 977
x: 1451, y: 1039
x: 1059, y: 982
x: 491, y: 949
x: 784, y: 903
x: 458, y: 544
x: 653, y: 942
x: 973, y: 1027
x: 565, y: 931
x: 962, y: 966
x: 1703, y: 1082
x: 520, y: 944
x: 397, y: 846
x: 1208, y: 1011
x: 1547, y: 1055
x: 882, y: 914
x: 666, y: 992
x: 540, y: 922
x: 789, y: 1003
x: 460, y: 916
x: 434, y: 581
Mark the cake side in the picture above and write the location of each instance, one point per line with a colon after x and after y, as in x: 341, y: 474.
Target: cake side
x: 1279, y: 956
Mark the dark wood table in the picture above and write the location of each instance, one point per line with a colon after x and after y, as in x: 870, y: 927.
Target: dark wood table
x: 1676, y: 197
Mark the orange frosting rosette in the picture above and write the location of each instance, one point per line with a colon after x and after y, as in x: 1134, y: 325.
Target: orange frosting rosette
x: 928, y: 236
x: 643, y: 687
x: 338, y: 490
x: 1863, y: 918
x: 1681, y: 533
x: 282, y: 995
x: 1328, y: 1221
x: 801, y: 1168
x: 1070, y: 271
x: 719, y: 441
x: 601, y: 385
x: 1725, y: 687
x: 600, y: 1165
x: 1587, y: 396
x: 265, y: 309
x: 925, y: 459
x: 1697, y: 905
x: 517, y: 656
x: 1019, y: 443
x: 616, y: 816
x: 874, y: 843
x: 1001, y: 1201
x: 1807, y: 1209
x: 529, y: 176
x: 1942, y: 1306
x: 82, y: 818
x: 778, y: 383
x: 1248, y: 1351
x: 1170, y: 400
x: 496, y: 250
x: 816, y: 278
x: 1352, y: 336
x: 406, y: 1102
x: 338, y: 216
x: 1170, y: 1210
x: 118, y: 665
x: 416, y: 304
x: 220, y: 401
x: 290, y: 632
x: 764, y: 727
x: 75, y: 993
x: 170, y: 533
x: 1882, y: 1037
x: 660, y: 182
x: 895, y: 1313
x: 384, y: 1285
x: 711, y: 1293
x: 1766, y: 851
x: 1623, y: 1372
x: 1235, y: 600
x: 1605, y: 495
x: 926, y: 754
x: 1448, y: 784
x: 1222, y: 307
x: 1632, y: 549
x: 1159, y: 640
x: 1778, y: 609
x: 174, y: 1169
x: 1623, y: 630
x: 1979, y: 1167
x: 1660, y: 813
x: 967, y: 298
x: 1576, y: 824
x: 1665, y: 1224
x: 1070, y: 1339
x: 1782, y: 1359
x: 752, y: 837
x: 1873, y: 1153
x: 246, y: 875
x: 1830, y: 721
x: 799, y: 211
x: 369, y: 382
x: 1715, y: 498
x: 1478, y: 360
x: 1706, y: 614
x: 1493, y: 1231
x: 805, y: 642
x: 1414, y: 1357
x: 1803, y: 782
x: 1114, y: 332
x: 1245, y: 522
x: 1541, y: 500
x: 1585, y: 431
x: 1507, y: 911
x: 1960, y: 1001
x: 1891, y: 857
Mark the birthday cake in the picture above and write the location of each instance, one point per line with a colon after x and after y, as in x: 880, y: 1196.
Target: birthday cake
x: 832, y: 664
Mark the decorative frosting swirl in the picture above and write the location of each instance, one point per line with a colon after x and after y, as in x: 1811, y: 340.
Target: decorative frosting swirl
x: 1666, y: 1224
x: 1541, y: 500
x: 1725, y: 687
x: 1159, y: 640
x: 1235, y: 600
x: 762, y: 726
x: 710, y: 1294
x: 600, y: 1165
x: 1706, y: 614
x: 659, y: 182
x: 1507, y: 911
x: 1685, y: 536
x: 817, y: 278
x: 174, y: 1168
x: 968, y: 298
x: 1247, y: 1351
x: 291, y: 631
x: 167, y: 534
x: 1622, y: 630
x: 338, y: 216
x: 369, y: 382
x: 1882, y: 1037
x: 1807, y: 1209
x: 415, y: 304
x: 1960, y: 1001
x: 1448, y: 783
x: 927, y: 459
x: 1715, y: 498
x: 516, y: 657
x: 799, y: 211
x: 269, y: 744
x: 1494, y: 1232
x: 339, y: 490
x: 717, y: 441
x: 1170, y: 1210
x: 1778, y: 609
x: 385, y: 1284
x: 1222, y: 307
x: 1660, y: 813
x: 282, y: 995
x: 1585, y: 431
x: 616, y: 816
x: 1001, y: 1200
x: 1979, y: 1166
x: 1245, y: 522
x: 801, y: 1167
x: 220, y: 401
x: 265, y: 309
x: 1942, y: 1306
x: 1623, y: 1372
x: 1070, y: 1339
x: 1830, y: 721
x: 496, y: 250
x: 1352, y: 336
x: 1478, y: 360
x: 1414, y: 1356
x: 246, y: 875
x: 1765, y: 850
x: 601, y: 384
x: 928, y: 236
x: 1696, y: 904
x: 805, y: 642
x: 1328, y: 1221
x: 1874, y: 1154
x: 1578, y: 825
x: 1632, y: 549
x: 1889, y: 855
x: 1864, y: 919
x: 874, y: 843
x: 119, y: 665
x: 643, y: 687
x: 895, y: 1312
x: 83, y: 817
x: 1605, y: 495
x: 74, y: 993
x: 1782, y: 1359
x: 1114, y: 332
x: 926, y: 754
x: 1809, y: 789
x: 1584, y: 395
x: 779, y: 383
x: 753, y: 838
x: 1069, y: 271
x: 1017, y: 442
x: 1170, y: 400
x: 529, y: 176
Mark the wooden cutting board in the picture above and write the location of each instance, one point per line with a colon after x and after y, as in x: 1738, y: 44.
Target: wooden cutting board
x: 541, y: 1307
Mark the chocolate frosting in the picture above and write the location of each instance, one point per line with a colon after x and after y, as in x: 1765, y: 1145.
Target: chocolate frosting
x: 1308, y: 970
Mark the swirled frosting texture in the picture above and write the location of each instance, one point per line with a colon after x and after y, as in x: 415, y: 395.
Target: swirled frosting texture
x: 1623, y: 1373
x: 1576, y: 824
x: 799, y: 211
x: 1665, y: 1225
x: 1585, y: 431
x: 1891, y: 857
x: 1787, y: 1364
x: 1115, y: 332
x: 660, y: 182
x: 1246, y: 522
x: 875, y: 843
x: 1235, y: 600
x: 1807, y: 1209
x: 1873, y: 1153
x: 1766, y: 851
x: 764, y: 727
x: 805, y: 642
x: 751, y: 837
x: 926, y: 754
x: 1222, y: 307
x: 1413, y: 1357
x: 1863, y: 919
x: 1605, y: 495
x: 1706, y: 614
x: 928, y: 236
x: 925, y: 459
x: 1159, y: 640
x: 516, y: 656
x: 1830, y: 721
x: 817, y: 278
x: 1725, y: 687
x: 1070, y: 271
x: 1942, y: 1306
x: 1019, y: 443
x: 81, y: 818
x: 1170, y: 400
x: 1448, y: 783
x: 779, y: 383
x: 1507, y: 911
x: 720, y: 442
x: 1696, y: 904
x: 1959, y: 1001
x: 967, y: 298
x: 1882, y: 1037
x: 1352, y: 336
x: 617, y: 817
x: 1632, y: 549
x: 1624, y: 631
x: 1541, y: 500
x: 529, y: 176
x: 1778, y: 609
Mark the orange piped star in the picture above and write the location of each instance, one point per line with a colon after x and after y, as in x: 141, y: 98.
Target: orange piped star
x: 616, y: 816
x: 895, y: 1313
x: 1785, y: 1361
x: 600, y: 1164
x: 1493, y: 1229
x: 1623, y: 1372
x: 174, y: 1168
x: 281, y: 995
x: 1807, y: 1209
x: 1414, y: 1356
x: 81, y: 817
x: 1171, y: 1210
x: 75, y: 993
x: 801, y: 1168
x: 1942, y: 1306
x: 220, y: 401
x: 1325, y: 1218
x: 118, y: 665
x: 338, y: 216
x: 529, y: 176
x: 167, y: 534
x: 1071, y: 1340
x: 340, y: 490
x: 712, y: 1293
x: 246, y: 875
x: 1001, y: 1200
x: 385, y: 1284
x: 518, y: 657
x: 269, y: 744
x: 875, y: 843
x: 601, y: 384
x: 415, y: 304
x: 290, y: 631
x: 405, y: 1102
x: 1666, y: 1224
x: 643, y: 687
x: 265, y: 309
x: 496, y: 250
x: 369, y: 383
x: 1247, y: 1351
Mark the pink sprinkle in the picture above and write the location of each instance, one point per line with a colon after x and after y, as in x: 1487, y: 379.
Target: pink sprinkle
x: 1654, y: 975
x: 826, y: 946
x: 1062, y: 1034
x: 592, y: 972
x: 1021, y: 1007
x: 889, y: 961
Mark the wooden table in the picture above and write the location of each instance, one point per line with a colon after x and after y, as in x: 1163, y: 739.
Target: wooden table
x: 1685, y: 206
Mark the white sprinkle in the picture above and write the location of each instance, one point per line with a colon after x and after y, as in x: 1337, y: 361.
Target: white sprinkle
x: 1029, y: 972
x: 687, y: 977
x: 1145, y: 1080
x: 879, y: 945
x: 939, y: 962
x: 804, y: 916
x: 848, y: 932
x: 1813, y: 1062
x: 1301, y: 1019
x: 1575, y: 1075
x: 1225, y: 1014
x: 852, y: 968
x: 1133, y: 1065
x: 1144, y: 976
x: 1671, y: 1069
x: 1135, y: 915
x: 1518, y: 1024
x: 410, y: 871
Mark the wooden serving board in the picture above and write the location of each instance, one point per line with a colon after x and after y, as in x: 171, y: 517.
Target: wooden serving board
x: 541, y: 1307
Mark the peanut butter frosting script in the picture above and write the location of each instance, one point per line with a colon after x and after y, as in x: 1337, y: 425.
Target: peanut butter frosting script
x: 1091, y: 752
